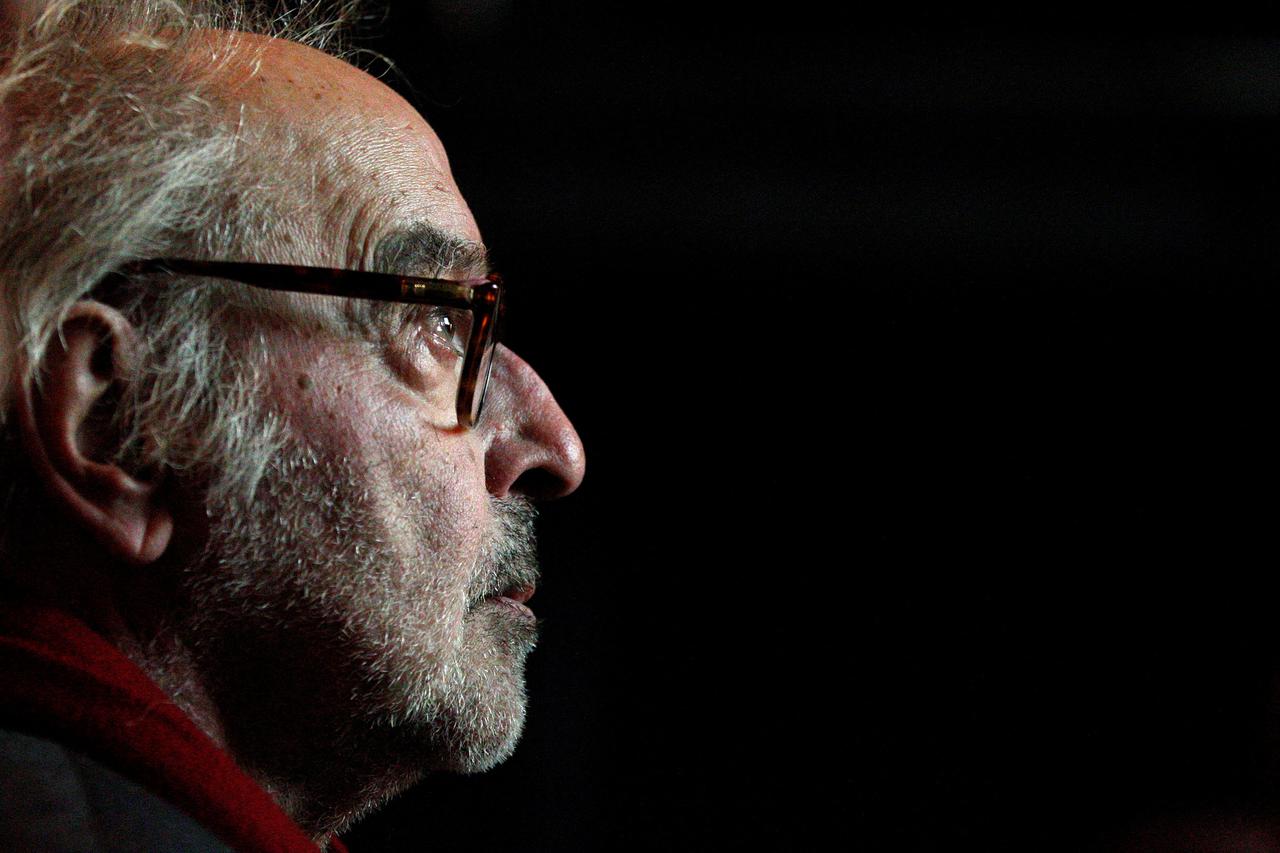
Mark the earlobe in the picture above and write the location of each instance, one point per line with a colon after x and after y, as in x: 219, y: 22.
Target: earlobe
x: 72, y: 447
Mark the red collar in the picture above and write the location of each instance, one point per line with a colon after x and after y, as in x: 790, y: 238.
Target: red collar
x: 62, y: 681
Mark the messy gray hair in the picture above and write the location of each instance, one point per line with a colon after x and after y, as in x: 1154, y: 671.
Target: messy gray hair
x: 113, y: 148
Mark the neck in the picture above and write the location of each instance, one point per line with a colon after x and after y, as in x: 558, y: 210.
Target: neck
x: 309, y: 758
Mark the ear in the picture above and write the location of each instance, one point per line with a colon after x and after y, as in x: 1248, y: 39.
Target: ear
x: 70, y: 441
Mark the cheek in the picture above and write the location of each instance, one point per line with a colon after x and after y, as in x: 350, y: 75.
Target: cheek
x: 434, y: 516
x: 437, y: 493
x: 428, y: 483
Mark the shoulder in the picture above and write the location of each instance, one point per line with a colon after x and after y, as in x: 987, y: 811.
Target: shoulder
x: 57, y: 799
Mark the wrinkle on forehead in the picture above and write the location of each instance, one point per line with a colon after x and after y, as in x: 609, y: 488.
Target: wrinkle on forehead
x: 346, y: 157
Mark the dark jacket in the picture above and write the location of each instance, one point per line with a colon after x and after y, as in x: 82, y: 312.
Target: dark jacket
x: 94, y: 757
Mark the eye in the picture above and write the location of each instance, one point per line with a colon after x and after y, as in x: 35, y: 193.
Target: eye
x: 448, y: 328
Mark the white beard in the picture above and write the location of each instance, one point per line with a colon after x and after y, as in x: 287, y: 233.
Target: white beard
x: 340, y: 631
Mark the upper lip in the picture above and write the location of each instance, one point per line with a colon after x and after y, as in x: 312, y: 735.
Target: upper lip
x: 519, y: 593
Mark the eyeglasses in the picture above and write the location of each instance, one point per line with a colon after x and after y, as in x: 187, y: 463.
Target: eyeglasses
x: 466, y: 324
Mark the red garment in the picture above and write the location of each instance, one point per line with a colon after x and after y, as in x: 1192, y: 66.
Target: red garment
x: 60, y: 680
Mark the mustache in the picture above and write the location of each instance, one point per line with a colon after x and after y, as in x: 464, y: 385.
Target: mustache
x: 509, y: 556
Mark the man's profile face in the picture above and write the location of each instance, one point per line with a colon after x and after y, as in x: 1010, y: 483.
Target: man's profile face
x: 361, y: 591
x: 367, y: 570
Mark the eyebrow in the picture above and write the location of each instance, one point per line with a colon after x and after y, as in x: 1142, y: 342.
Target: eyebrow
x: 424, y: 250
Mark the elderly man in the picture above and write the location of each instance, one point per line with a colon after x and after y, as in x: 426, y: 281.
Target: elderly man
x: 267, y: 542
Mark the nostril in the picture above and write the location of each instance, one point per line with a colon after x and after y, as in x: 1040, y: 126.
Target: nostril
x: 539, y: 483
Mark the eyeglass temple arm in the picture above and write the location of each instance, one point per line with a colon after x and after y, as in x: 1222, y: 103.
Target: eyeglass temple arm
x: 331, y: 282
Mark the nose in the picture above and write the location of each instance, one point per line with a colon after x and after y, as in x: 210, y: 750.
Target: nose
x: 532, y: 448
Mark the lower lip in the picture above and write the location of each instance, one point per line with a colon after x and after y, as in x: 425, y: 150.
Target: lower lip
x: 516, y: 606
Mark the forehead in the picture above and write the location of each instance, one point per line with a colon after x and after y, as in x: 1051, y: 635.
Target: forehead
x: 362, y: 164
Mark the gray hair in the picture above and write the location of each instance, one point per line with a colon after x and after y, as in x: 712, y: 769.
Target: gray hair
x: 114, y: 148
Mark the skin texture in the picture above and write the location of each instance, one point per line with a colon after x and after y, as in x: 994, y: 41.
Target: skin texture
x: 340, y: 634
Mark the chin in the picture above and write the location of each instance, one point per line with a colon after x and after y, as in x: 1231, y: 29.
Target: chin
x: 464, y: 718
x: 485, y: 754
x: 470, y: 738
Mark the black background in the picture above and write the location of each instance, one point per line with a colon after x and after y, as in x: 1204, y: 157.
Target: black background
x: 919, y: 362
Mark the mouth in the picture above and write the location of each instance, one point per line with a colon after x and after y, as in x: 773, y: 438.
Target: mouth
x: 514, y: 597
x: 520, y: 593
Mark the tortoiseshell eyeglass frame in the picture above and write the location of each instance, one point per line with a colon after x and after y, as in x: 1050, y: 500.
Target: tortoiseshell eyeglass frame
x: 482, y: 296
